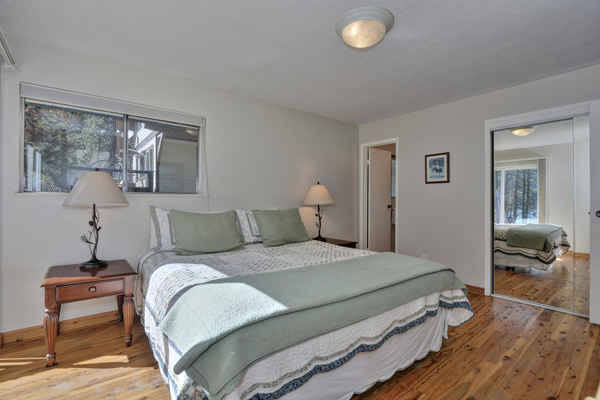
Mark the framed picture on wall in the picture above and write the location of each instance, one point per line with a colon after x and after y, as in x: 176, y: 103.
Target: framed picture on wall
x: 437, y: 168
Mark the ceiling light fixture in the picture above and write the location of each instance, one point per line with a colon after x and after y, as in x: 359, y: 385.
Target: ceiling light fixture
x: 364, y: 27
x: 524, y: 131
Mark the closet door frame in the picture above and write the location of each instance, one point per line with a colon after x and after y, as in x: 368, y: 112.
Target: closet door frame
x: 531, y: 118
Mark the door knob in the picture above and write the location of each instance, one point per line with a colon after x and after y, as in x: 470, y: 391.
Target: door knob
x: 598, y: 213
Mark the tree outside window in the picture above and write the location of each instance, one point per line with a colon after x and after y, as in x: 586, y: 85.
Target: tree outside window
x: 516, y: 195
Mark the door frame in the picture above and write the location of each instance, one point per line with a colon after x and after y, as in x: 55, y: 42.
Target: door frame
x: 594, y: 116
x: 363, y: 189
x: 547, y: 115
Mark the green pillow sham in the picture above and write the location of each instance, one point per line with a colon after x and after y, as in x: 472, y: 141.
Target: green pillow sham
x: 279, y: 227
x: 201, y: 233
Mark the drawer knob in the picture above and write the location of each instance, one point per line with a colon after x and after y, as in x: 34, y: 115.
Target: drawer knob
x: 92, y: 289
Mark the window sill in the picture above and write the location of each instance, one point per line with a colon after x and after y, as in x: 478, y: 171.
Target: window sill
x: 64, y: 194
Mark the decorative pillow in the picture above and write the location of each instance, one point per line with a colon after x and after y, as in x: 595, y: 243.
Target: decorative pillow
x: 248, y: 228
x: 279, y: 227
x: 201, y: 233
x: 161, y: 229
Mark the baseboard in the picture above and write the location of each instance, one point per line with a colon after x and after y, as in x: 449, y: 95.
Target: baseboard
x: 581, y: 256
x: 37, y: 332
x: 475, y: 289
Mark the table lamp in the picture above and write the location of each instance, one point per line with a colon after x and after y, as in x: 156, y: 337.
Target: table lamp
x: 95, y: 189
x: 318, y: 195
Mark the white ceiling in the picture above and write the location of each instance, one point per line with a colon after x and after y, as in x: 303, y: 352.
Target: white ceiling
x: 287, y: 52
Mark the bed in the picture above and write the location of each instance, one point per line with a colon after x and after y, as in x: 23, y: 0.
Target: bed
x: 333, y: 365
x: 552, y: 242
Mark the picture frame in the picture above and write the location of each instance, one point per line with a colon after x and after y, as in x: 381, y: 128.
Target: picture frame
x: 437, y: 168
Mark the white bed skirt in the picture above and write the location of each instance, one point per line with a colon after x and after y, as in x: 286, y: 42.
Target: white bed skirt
x: 519, y: 261
x: 391, y: 341
x: 397, y: 353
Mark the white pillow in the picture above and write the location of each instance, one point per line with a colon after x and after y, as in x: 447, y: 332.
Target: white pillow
x: 248, y: 228
x: 161, y: 229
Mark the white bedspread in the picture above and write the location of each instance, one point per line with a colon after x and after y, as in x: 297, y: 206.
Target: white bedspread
x: 293, y: 372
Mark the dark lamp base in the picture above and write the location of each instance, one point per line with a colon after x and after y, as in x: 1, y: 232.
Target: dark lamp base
x: 93, y: 264
x: 320, y: 238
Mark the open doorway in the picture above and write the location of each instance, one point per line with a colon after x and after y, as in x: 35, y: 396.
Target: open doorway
x: 378, y: 195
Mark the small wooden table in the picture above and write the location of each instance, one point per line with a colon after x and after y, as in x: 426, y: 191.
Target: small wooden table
x: 69, y: 283
x: 342, y: 242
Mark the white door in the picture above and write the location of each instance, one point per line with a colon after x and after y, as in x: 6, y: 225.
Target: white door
x: 379, y: 199
x: 595, y: 212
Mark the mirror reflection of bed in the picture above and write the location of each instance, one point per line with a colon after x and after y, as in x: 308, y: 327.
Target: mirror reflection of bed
x: 541, y: 221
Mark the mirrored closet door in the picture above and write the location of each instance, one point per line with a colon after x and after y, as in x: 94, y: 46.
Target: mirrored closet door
x: 541, y: 196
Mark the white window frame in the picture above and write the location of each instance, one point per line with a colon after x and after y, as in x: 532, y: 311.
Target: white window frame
x: 503, y: 170
x: 53, y: 97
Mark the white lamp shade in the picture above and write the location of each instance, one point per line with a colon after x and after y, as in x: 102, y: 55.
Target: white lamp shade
x: 95, y: 187
x: 318, y: 195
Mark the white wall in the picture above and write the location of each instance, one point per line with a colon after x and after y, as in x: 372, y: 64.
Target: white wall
x: 259, y: 155
x: 447, y: 221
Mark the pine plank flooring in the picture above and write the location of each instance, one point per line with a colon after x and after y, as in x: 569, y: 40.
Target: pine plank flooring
x: 93, y: 363
x: 507, y: 351
x: 565, y: 285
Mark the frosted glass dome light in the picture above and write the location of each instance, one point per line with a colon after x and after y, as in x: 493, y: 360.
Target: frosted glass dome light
x: 524, y: 131
x: 364, y: 27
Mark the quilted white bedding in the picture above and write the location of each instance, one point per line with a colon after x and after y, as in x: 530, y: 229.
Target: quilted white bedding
x: 331, y: 366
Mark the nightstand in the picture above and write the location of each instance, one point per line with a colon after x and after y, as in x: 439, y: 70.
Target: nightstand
x: 69, y: 283
x: 342, y: 242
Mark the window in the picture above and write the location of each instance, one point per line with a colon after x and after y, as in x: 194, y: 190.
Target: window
x: 162, y: 157
x: 516, y: 195
x: 61, y: 143
x: 153, y: 155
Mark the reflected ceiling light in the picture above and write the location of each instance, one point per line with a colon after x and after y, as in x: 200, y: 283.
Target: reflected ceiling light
x: 524, y: 131
x: 364, y: 27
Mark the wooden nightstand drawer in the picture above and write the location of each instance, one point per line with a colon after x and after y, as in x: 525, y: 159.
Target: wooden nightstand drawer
x: 89, y: 290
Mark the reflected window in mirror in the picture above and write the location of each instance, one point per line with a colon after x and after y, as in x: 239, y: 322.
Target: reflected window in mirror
x: 518, y: 191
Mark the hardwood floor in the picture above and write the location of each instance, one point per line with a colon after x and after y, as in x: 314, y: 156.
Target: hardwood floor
x: 507, y: 351
x: 93, y: 363
x: 553, y: 287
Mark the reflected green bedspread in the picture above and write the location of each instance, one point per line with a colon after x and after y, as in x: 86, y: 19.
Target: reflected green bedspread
x: 534, y: 236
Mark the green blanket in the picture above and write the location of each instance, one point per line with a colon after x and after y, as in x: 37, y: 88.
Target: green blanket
x: 534, y: 236
x: 222, y: 327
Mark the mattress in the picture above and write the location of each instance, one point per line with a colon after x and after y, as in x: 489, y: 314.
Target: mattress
x: 408, y: 332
